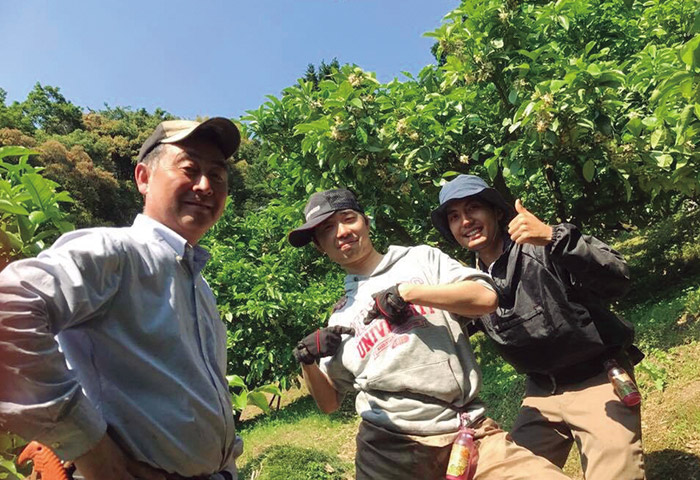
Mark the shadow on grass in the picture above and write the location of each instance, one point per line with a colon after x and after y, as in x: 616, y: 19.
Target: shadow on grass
x: 672, y: 465
x: 301, y: 408
x: 666, y: 323
x: 284, y: 462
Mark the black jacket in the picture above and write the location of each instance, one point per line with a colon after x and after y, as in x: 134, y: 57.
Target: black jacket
x: 552, y: 320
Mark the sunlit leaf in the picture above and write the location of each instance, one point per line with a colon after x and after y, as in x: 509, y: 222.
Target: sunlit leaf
x: 589, y: 170
x: 11, y: 207
x: 690, y: 53
x: 259, y: 400
x: 235, y: 381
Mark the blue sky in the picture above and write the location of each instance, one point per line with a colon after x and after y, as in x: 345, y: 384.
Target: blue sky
x: 206, y: 57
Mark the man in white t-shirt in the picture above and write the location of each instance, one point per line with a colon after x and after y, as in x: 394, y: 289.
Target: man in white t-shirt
x: 393, y: 339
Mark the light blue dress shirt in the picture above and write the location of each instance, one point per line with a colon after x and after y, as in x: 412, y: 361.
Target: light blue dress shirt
x: 142, y: 349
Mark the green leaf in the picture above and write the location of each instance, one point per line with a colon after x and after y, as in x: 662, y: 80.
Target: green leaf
x: 513, y: 96
x: 628, y: 188
x: 361, y: 134
x: 11, y: 239
x: 307, y: 144
x: 64, y: 226
x: 26, y: 228
x: 611, y: 78
x: 373, y: 148
x: 63, y: 197
x: 259, y: 400
x: 556, y: 85
x: 269, y: 388
x: 663, y: 160
x: 235, y: 381
x: 683, y: 123
x: 37, y: 217
x: 667, y: 86
x: 16, y: 151
x: 690, y: 53
x: 531, y: 55
x: 240, y: 401
x: 589, y: 170
x: 320, y: 125
x: 9, y: 466
x: 491, y: 165
x: 656, y: 137
x: 528, y: 109
x: 593, y: 69
x: 10, y: 207
x: 564, y: 22
x: 356, y: 102
x: 634, y: 126
x: 39, y: 188
x: 344, y: 91
x: 589, y: 46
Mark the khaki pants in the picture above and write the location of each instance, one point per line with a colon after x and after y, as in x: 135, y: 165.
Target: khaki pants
x: 607, y: 432
x: 384, y: 455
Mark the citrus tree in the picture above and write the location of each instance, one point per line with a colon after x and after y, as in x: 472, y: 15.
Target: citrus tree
x: 588, y: 110
x: 560, y: 102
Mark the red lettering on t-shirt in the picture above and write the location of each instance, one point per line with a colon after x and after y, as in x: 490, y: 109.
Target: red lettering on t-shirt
x: 377, y: 330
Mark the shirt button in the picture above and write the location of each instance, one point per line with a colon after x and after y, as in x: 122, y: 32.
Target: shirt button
x: 55, y: 444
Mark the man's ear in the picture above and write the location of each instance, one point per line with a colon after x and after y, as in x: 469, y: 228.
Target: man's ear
x: 141, y: 175
x: 317, y: 245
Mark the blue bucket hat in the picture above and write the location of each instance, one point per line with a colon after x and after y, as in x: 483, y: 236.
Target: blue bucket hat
x: 464, y: 186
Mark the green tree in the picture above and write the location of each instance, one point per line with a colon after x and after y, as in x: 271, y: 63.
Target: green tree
x: 49, y: 110
x: 325, y: 71
x: 556, y: 82
x: 12, y: 116
x: 268, y: 293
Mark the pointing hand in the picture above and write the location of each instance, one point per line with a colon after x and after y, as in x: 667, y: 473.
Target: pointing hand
x: 324, y: 342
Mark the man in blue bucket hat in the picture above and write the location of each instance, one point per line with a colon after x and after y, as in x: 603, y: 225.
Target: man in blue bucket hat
x: 552, y: 325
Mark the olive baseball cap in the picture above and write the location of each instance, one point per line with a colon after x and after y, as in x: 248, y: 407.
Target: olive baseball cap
x: 222, y: 131
x: 322, y: 205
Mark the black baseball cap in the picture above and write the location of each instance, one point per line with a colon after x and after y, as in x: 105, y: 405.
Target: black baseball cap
x: 321, y: 206
x: 464, y: 186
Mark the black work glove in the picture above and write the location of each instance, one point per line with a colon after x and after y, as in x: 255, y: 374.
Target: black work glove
x: 389, y: 304
x: 324, y: 342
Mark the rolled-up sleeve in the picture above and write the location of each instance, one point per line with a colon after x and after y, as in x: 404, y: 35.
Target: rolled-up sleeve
x: 40, y: 397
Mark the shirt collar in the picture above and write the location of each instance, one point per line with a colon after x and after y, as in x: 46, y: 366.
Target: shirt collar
x: 195, y: 256
x: 507, y: 244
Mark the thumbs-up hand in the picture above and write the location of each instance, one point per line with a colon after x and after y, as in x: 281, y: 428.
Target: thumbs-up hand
x: 527, y: 228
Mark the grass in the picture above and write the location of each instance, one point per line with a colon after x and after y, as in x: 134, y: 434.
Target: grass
x: 668, y: 331
x: 325, y: 444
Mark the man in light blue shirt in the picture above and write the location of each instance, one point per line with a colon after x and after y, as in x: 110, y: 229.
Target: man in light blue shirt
x: 112, y: 351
